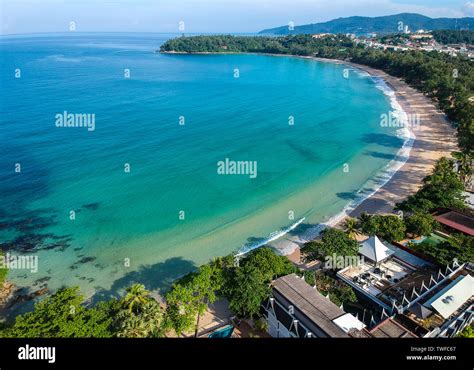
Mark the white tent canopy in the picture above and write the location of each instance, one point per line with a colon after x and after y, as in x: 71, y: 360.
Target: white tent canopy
x: 375, y: 250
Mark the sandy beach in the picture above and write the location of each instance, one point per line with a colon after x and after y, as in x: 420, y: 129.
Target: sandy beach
x: 434, y: 138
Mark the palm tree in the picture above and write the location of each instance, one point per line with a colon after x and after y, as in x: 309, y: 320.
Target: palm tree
x: 352, y: 227
x: 133, y: 327
x: 149, y: 323
x: 364, y: 217
x: 137, y: 295
x: 364, y: 223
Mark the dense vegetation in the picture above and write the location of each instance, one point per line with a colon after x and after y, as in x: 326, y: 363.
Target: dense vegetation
x: 333, y: 242
x: 137, y: 315
x: 294, y: 45
x: 454, y: 37
x: 448, y: 80
x: 389, y: 227
x: 384, y: 24
x: 62, y: 315
x: 458, y: 246
x: 420, y: 223
x: 245, y: 285
x: 442, y: 188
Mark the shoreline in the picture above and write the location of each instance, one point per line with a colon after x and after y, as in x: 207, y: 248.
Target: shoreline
x: 432, y: 139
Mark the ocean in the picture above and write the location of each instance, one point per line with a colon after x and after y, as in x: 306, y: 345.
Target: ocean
x: 137, y: 196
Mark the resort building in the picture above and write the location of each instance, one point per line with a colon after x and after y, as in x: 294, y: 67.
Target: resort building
x: 413, y: 293
x: 421, y: 35
x: 386, y: 271
x: 455, y: 222
x: 390, y: 328
x: 448, y: 308
x: 322, y: 35
x: 297, y: 310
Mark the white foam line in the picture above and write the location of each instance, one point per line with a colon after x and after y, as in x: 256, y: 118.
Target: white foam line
x: 272, y: 237
x: 386, y: 174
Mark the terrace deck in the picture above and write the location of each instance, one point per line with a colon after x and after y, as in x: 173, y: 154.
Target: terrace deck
x: 405, y: 286
x: 364, y: 275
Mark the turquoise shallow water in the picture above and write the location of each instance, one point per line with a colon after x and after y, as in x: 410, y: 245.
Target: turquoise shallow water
x: 134, y: 216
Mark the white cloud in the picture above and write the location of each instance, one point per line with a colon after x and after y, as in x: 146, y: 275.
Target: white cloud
x: 468, y: 8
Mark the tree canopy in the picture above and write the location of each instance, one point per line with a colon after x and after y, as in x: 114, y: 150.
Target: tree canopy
x: 442, y: 188
x: 62, y: 315
x: 454, y: 36
x: 420, y: 224
x: 387, y: 227
x: 248, y: 291
x: 246, y: 285
x: 136, y: 296
x: 333, y: 242
x: 249, y: 285
x: 268, y: 263
x: 190, y: 296
x: 146, y: 323
x: 458, y: 246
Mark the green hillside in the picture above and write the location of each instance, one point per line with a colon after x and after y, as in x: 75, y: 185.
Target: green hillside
x: 385, y: 24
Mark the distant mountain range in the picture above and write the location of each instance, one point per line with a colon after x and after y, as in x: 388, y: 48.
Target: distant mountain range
x: 385, y: 24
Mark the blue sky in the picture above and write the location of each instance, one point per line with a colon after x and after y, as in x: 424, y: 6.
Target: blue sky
x: 31, y: 16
